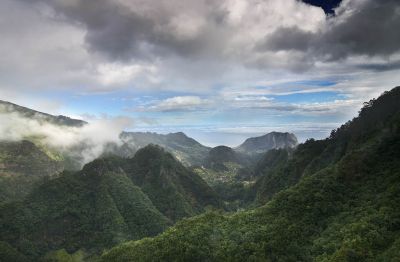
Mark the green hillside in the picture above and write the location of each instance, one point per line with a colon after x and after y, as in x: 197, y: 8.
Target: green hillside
x: 338, y: 201
x: 22, y: 166
x: 174, y: 190
x: 93, y: 209
x: 109, y: 201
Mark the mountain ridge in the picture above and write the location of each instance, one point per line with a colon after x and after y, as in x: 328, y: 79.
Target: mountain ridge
x: 8, y: 107
x: 272, y: 140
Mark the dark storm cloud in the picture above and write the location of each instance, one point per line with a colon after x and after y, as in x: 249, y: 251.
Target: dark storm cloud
x: 122, y: 32
x: 286, y: 38
x: 372, y: 29
x: 378, y: 67
x: 368, y: 28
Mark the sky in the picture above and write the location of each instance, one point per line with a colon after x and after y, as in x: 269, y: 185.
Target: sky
x: 220, y: 71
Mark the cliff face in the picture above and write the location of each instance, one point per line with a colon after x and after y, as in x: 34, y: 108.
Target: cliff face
x: 273, y: 140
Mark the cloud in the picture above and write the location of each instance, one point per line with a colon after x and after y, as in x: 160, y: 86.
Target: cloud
x: 177, y: 103
x: 240, y: 30
x: 124, y: 30
x: 116, y: 74
x: 381, y: 66
x: 360, y: 28
x: 82, y: 143
x: 105, y: 46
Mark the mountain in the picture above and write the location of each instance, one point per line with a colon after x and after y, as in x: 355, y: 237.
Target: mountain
x: 110, y: 200
x: 174, y: 190
x: 273, y: 140
x: 7, y: 107
x: 185, y: 149
x: 92, y: 209
x: 26, y: 163
x: 23, y: 165
x: 337, y: 200
x: 219, y: 156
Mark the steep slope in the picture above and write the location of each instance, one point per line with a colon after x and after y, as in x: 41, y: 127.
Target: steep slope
x: 287, y: 170
x: 22, y: 165
x: 7, y: 107
x: 343, y: 206
x: 23, y: 123
x: 92, y: 209
x: 185, y: 149
x: 376, y: 118
x: 273, y: 140
x: 174, y: 190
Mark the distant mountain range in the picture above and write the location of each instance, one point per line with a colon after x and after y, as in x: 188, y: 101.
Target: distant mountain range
x: 185, y: 149
x: 190, y: 152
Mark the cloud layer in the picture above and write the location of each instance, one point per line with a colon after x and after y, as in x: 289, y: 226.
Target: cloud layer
x: 251, y: 31
x: 81, y: 143
x: 104, y: 45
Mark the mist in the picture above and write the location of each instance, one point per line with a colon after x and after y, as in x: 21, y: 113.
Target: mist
x: 82, y: 144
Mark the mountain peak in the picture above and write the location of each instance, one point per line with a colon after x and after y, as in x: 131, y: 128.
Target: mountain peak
x: 272, y: 140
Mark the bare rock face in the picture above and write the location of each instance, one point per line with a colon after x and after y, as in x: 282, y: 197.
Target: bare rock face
x: 273, y: 140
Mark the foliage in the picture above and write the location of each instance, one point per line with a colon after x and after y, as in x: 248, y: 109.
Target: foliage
x: 174, y: 190
x: 23, y: 165
x: 92, y: 209
x: 8, y: 253
x: 109, y: 201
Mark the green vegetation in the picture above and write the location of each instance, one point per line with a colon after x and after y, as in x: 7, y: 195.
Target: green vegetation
x: 174, y: 190
x: 231, y: 185
x: 23, y: 165
x: 109, y: 201
x: 92, y: 209
x: 230, y: 174
x: 337, y: 201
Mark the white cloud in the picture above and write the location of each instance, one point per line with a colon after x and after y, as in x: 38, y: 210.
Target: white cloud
x: 178, y: 103
x: 117, y: 74
x: 84, y: 143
